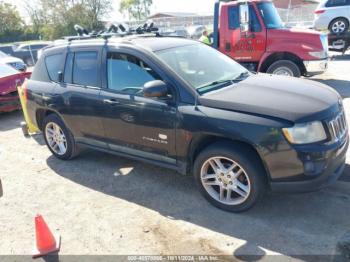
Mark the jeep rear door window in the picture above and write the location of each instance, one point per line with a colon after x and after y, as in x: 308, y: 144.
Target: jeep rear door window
x: 128, y: 74
x: 53, y: 65
x: 85, y: 69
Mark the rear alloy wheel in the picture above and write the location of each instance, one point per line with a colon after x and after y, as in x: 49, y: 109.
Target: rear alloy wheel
x: 339, y: 25
x: 285, y: 68
x: 58, y: 138
x: 230, y: 179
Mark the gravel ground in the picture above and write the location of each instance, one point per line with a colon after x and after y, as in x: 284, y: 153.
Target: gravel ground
x: 148, y: 210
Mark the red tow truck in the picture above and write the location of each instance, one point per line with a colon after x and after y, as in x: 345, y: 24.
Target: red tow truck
x: 252, y: 33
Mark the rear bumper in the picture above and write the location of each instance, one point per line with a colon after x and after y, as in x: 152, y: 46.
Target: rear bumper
x: 316, y: 67
x: 334, y: 167
x: 8, y: 104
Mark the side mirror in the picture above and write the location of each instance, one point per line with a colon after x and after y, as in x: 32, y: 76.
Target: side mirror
x: 60, y: 76
x: 244, y: 17
x: 156, y: 88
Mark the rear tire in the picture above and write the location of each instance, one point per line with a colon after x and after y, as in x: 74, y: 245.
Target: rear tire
x: 339, y: 25
x: 58, y: 138
x: 284, y: 67
x: 234, y: 191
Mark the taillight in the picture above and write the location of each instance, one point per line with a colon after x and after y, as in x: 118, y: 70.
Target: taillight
x: 320, y: 11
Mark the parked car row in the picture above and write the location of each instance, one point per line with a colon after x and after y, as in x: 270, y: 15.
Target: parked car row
x: 28, y: 53
x: 15, y: 62
x: 10, y: 78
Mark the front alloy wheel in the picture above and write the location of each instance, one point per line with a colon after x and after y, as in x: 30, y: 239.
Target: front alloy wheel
x: 230, y: 176
x: 225, y: 180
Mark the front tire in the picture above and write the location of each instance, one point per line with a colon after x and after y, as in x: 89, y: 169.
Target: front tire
x: 339, y: 25
x: 285, y: 68
x: 58, y: 138
x: 230, y: 178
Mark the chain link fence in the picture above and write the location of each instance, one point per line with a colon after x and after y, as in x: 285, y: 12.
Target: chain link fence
x: 297, y: 16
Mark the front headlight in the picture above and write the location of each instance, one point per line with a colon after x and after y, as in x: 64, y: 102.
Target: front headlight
x: 305, y: 133
x: 319, y: 55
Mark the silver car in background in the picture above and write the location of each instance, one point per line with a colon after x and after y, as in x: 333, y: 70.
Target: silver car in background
x: 12, y: 61
x: 333, y: 15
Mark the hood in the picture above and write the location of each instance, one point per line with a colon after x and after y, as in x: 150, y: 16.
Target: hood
x: 288, y: 98
x: 303, y: 39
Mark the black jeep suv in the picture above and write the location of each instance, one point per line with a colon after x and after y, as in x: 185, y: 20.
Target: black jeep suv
x: 182, y: 105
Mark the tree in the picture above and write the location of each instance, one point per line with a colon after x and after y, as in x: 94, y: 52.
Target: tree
x: 56, y: 18
x: 10, y: 20
x: 96, y: 9
x: 137, y: 9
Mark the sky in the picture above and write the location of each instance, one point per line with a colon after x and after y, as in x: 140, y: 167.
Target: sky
x: 191, y: 6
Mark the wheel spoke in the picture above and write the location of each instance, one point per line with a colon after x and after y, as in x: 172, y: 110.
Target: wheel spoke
x: 228, y: 196
x: 222, y: 191
x: 230, y: 169
x: 61, y: 147
x: 209, y: 176
x: 219, y: 164
x: 242, y: 186
x: 211, y: 183
x: 237, y: 174
x: 50, y: 131
x: 240, y: 192
x: 52, y: 143
x: 56, y: 128
x: 215, y: 168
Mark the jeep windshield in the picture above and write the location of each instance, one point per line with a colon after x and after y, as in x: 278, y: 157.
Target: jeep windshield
x: 270, y: 15
x: 204, y: 68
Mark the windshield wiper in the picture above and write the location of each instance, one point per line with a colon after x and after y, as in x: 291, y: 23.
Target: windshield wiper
x: 221, y: 83
x: 241, y: 77
x: 215, y: 83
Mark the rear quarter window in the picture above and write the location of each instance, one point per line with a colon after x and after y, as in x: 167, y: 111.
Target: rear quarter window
x: 334, y: 3
x: 53, y: 65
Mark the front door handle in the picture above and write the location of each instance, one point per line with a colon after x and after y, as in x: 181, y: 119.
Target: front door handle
x: 111, y: 101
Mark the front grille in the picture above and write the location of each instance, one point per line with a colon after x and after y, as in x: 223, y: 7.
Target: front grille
x: 338, y: 126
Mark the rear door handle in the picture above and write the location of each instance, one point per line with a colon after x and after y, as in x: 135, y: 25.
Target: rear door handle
x: 111, y: 101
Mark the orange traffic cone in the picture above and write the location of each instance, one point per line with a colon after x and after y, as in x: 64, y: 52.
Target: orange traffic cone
x: 46, y: 243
